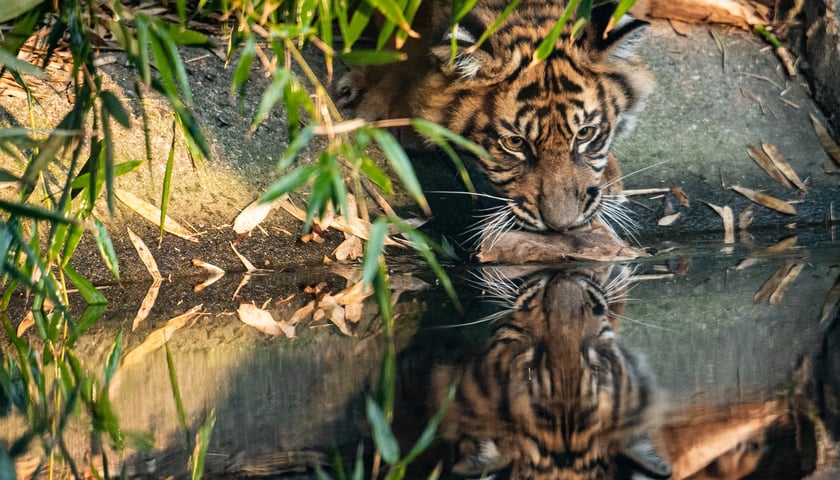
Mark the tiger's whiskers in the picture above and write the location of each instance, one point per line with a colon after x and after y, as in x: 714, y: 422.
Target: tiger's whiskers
x: 614, y: 214
x: 493, y: 225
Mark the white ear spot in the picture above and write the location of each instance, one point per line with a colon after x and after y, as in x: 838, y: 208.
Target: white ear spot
x: 625, y: 47
x: 460, y: 34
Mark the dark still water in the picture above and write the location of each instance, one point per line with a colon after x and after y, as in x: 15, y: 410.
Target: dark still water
x: 718, y: 362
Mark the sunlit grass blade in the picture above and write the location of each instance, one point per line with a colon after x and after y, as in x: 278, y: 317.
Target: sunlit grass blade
x: 394, y: 13
x: 375, y: 174
x: 620, y: 9
x: 196, y: 141
x: 461, y: 8
x: 496, y: 24
x: 386, y: 444
x: 399, y: 161
x: 427, y: 437
x: 170, y: 50
x: 202, y: 443
x: 360, y: 20
x: 113, y: 360
x: 108, y: 137
x: 83, y: 180
x: 300, y: 142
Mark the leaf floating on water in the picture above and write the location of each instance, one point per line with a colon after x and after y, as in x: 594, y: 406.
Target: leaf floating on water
x: 783, y: 167
x: 251, y: 216
x: 831, y: 301
x: 152, y: 214
x: 779, y: 247
x: 262, y: 320
x: 668, y: 219
x: 145, y: 255
x: 215, y: 274
x: 762, y: 199
x: 831, y: 148
x: 763, y: 160
x: 728, y: 221
x: 776, y: 286
x: 158, y: 338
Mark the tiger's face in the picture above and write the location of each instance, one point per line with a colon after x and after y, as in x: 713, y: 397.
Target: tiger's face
x: 554, y: 395
x: 548, y: 125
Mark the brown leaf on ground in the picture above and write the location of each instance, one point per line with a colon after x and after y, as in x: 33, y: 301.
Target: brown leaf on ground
x: 681, y: 196
x: 783, y: 166
x: 152, y: 214
x: 251, y: 216
x: 728, y: 221
x: 592, y: 243
x: 765, y: 200
x: 351, y: 248
x: 828, y: 143
x: 262, y: 320
x: 763, y: 160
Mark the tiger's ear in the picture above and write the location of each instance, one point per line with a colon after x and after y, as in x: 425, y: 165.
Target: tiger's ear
x: 469, y: 61
x: 478, y: 457
x: 621, y: 41
x: 645, y: 459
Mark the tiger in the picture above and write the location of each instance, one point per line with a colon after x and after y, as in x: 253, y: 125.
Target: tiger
x: 553, y: 394
x: 548, y: 126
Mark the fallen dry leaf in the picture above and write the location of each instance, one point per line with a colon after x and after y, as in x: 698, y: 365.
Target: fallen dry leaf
x: 745, y: 218
x: 764, y: 200
x: 831, y: 301
x: 152, y: 214
x: 778, y: 247
x: 251, y: 216
x: 351, y: 248
x: 158, y: 338
x: 249, y: 267
x: 783, y: 166
x: 145, y: 255
x: 262, y: 320
x: 728, y: 221
x: 354, y: 226
x: 146, y: 305
x: 668, y: 219
x: 831, y: 148
x: 681, y: 196
x: 776, y: 286
x: 28, y: 321
x: 215, y: 274
x: 763, y: 160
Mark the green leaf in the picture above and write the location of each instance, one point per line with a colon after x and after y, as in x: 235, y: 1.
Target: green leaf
x: 383, y: 437
x: 74, y: 236
x: 167, y: 182
x: 497, y: 23
x: 171, y: 52
x: 461, y: 8
x: 83, y: 180
x: 202, y: 443
x: 375, y: 174
x: 109, y: 160
x: 427, y: 437
x: 392, y: 11
x: 546, y: 47
x: 360, y: 20
x: 91, y: 314
x: 289, y: 182
x: 620, y: 9
x: 176, y: 391
x: 243, y: 68
x: 11, y: 62
x: 88, y: 291
x: 113, y: 360
x: 106, y: 248
x: 33, y: 211
x: 372, y: 57
x: 186, y: 37
x: 114, y: 107
x: 299, y: 143
x: 402, y: 166
x: 270, y: 97
x: 374, y: 248
x: 163, y: 64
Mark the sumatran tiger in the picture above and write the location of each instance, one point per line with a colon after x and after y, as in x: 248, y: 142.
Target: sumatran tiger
x: 548, y: 124
x: 553, y: 394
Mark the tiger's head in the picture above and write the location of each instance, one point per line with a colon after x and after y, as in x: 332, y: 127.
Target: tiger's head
x: 554, y: 394
x: 548, y: 125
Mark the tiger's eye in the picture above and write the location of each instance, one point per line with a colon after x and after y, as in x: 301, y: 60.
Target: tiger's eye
x: 586, y: 133
x: 513, y: 143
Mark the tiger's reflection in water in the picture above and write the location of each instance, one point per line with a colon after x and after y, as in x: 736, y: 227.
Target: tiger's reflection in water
x: 553, y: 394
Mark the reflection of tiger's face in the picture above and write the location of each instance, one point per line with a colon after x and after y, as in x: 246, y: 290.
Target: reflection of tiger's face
x: 549, y: 125
x: 554, y: 395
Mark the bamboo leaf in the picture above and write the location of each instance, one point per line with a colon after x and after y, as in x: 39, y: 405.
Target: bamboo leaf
x: 765, y: 200
x: 113, y: 360
x: 115, y: 108
x: 89, y: 292
x: 620, y: 9
x: 402, y: 167
x: 167, y: 182
x: 373, y: 250
x: 383, y: 437
x: 497, y: 23
x: 202, y: 443
x: 461, y: 8
x: 11, y: 62
x: 372, y: 57
x: 289, y: 182
x: 83, y: 180
x: 106, y: 248
x: 300, y: 142
x: 33, y: 211
x: 372, y: 171
x: 394, y: 13
x: 546, y: 47
x: 243, y: 68
x: 176, y: 390
x: 360, y: 20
